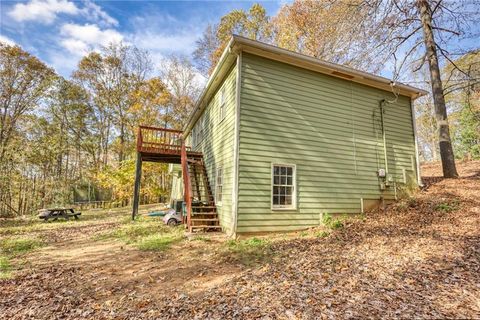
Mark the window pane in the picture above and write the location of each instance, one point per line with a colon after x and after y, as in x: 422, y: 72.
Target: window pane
x: 289, y: 171
x: 275, y: 190
x: 283, y: 180
x: 288, y: 191
x: 276, y: 180
x: 276, y: 170
x: 288, y: 200
x: 276, y: 200
x: 289, y: 181
x: 282, y: 200
x: 283, y: 170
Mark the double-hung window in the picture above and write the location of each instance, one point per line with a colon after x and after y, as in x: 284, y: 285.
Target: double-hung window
x: 222, y: 105
x: 219, y: 186
x: 283, y: 186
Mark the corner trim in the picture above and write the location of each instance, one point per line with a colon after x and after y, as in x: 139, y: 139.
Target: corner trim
x: 414, y: 123
x: 236, y: 146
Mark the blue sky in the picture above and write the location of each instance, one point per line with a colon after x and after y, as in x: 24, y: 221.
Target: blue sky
x: 60, y: 31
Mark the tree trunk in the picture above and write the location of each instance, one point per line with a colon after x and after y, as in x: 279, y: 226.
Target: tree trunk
x: 446, y: 150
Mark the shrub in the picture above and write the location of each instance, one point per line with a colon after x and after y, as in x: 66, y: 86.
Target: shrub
x: 331, y: 223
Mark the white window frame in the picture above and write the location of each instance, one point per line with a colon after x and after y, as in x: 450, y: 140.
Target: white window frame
x: 293, y: 206
x: 219, y: 168
x: 223, y: 103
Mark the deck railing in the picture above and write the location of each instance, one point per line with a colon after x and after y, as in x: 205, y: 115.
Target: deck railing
x: 159, y: 140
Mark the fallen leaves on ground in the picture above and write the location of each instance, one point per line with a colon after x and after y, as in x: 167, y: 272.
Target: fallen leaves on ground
x: 418, y: 259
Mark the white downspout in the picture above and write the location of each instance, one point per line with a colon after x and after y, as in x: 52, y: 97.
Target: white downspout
x: 236, y: 144
x: 419, y: 177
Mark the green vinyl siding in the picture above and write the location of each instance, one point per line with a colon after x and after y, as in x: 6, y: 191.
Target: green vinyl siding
x: 329, y: 128
x: 217, y: 144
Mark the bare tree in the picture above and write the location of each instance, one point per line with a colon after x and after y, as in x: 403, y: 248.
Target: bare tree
x: 183, y: 83
x: 418, y: 33
x: 111, y: 77
x: 24, y: 80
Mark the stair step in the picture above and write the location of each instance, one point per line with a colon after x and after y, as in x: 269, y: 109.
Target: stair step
x: 204, y: 214
x: 204, y: 219
x: 204, y: 207
x: 206, y: 227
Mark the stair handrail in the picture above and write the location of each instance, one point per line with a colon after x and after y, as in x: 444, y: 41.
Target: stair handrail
x: 186, y: 183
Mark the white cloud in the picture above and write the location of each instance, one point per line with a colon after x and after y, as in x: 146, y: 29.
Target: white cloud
x: 95, y: 13
x: 44, y: 11
x: 182, y: 42
x: 78, y: 39
x: 7, y: 40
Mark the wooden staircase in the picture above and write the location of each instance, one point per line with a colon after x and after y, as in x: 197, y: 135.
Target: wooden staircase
x: 168, y: 146
x: 203, y: 216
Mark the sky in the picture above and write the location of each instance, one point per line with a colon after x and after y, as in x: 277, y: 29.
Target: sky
x: 60, y: 32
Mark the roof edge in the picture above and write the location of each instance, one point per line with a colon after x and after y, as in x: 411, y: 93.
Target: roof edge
x: 244, y: 43
x: 208, y: 86
x: 238, y: 43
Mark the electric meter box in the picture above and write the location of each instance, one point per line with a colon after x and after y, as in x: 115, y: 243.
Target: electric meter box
x: 381, y: 173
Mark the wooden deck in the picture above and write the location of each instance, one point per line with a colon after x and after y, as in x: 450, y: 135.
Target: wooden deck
x: 161, y: 145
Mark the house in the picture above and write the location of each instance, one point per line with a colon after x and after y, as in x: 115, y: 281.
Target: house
x: 278, y: 138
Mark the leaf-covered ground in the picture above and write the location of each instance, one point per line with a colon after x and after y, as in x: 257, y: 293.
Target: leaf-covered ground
x: 419, y: 259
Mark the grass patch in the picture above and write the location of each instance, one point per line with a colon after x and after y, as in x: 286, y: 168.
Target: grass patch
x: 249, y: 251
x: 158, y: 242
x: 12, y: 247
x: 147, y: 234
x: 15, y: 246
x: 131, y: 231
x: 303, y: 234
x: 32, y: 224
x: 5, y: 268
x: 447, y: 207
x: 323, y: 234
x: 201, y: 238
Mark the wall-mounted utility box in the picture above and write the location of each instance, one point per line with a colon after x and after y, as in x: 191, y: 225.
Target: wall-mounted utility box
x: 381, y: 173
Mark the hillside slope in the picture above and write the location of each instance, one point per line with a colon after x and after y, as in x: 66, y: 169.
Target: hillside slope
x: 418, y: 259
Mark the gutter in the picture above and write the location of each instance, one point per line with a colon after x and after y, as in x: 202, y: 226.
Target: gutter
x: 338, y: 70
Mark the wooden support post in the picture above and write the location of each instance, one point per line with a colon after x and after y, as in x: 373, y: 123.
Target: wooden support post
x: 136, y: 191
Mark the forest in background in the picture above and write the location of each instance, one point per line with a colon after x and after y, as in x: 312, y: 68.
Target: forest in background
x: 67, y: 140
